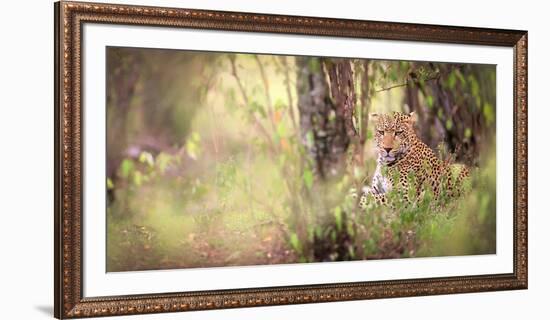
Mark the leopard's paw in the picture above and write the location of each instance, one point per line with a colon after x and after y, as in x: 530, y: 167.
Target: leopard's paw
x: 363, y: 199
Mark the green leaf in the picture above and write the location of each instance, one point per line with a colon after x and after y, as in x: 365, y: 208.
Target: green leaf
x: 488, y: 112
x: 338, y: 218
x: 314, y: 65
x: 147, y: 158
x: 331, y: 116
x: 257, y: 107
x: 192, y: 146
x: 430, y: 101
x: 370, y: 134
x: 308, y: 178
x: 138, y: 178
x: 279, y: 104
x: 318, y: 232
x: 449, y: 124
x: 110, y: 184
x: 295, y: 243
x: 163, y: 161
x: 468, y: 133
x: 461, y: 78
x: 451, y: 81
x: 126, y: 168
x: 474, y: 85
x: 393, y: 75
x: 281, y: 130
x: 310, y: 139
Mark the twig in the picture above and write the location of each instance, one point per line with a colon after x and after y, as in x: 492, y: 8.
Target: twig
x: 406, y: 83
x: 266, y: 89
x: 257, y: 121
x: 289, y: 94
x: 208, y: 81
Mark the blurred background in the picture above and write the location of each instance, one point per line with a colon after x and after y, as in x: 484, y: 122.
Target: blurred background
x: 218, y: 159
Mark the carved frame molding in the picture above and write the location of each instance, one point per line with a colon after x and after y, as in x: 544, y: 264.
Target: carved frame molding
x: 69, y: 18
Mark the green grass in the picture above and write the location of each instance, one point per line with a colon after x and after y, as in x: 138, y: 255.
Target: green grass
x: 236, y: 218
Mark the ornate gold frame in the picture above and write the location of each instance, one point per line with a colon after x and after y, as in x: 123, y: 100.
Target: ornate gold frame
x: 69, y: 300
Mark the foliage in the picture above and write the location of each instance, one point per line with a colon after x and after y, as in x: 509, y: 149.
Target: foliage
x: 225, y: 176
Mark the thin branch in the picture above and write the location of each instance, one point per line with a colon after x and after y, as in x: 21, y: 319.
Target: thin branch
x: 257, y: 121
x: 406, y: 83
x: 208, y: 80
x: 289, y: 94
x: 238, y: 79
x: 266, y: 89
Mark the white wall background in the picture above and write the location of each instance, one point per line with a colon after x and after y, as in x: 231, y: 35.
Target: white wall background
x: 26, y: 158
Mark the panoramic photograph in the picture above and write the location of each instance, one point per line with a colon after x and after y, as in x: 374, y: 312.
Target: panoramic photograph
x: 221, y: 159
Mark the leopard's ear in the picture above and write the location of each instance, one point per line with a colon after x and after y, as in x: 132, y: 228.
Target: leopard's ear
x: 374, y: 116
x: 413, y: 117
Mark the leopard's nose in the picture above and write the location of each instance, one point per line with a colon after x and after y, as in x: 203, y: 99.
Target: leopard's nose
x: 387, y: 150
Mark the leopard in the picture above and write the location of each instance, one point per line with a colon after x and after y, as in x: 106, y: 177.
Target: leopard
x: 402, y: 154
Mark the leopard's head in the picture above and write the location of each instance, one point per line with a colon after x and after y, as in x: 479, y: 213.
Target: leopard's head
x: 394, y: 135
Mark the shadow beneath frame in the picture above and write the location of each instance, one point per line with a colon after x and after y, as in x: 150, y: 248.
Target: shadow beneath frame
x: 47, y: 310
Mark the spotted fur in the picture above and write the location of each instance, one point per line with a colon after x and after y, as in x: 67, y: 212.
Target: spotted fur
x: 401, y: 154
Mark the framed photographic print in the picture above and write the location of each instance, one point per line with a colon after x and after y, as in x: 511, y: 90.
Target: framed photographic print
x: 209, y: 159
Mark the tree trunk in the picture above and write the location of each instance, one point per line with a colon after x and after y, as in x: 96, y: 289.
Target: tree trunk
x: 323, y: 126
x: 326, y: 103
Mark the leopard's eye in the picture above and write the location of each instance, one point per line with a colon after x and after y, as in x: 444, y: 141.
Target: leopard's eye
x: 381, y: 132
x: 398, y: 132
